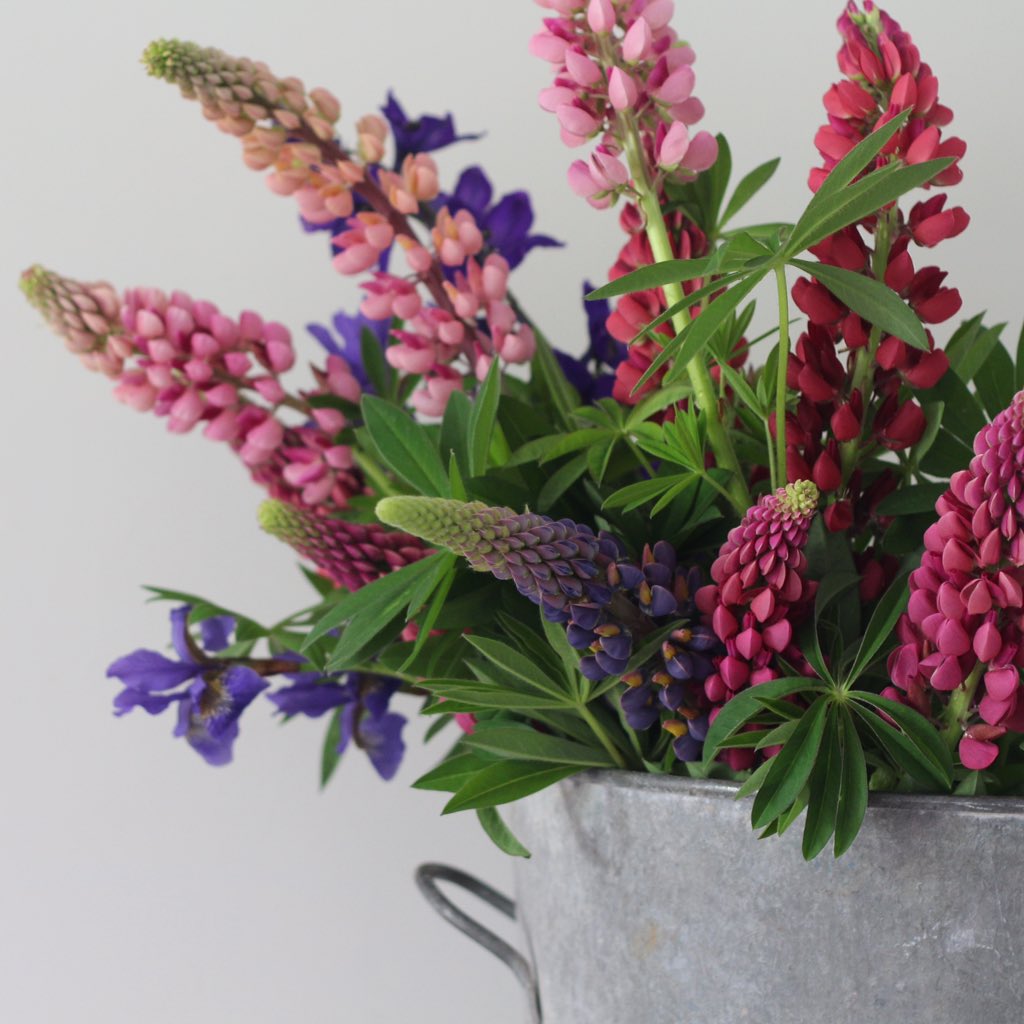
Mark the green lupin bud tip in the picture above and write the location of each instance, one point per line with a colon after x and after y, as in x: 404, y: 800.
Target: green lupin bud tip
x: 437, y: 520
x: 164, y: 58
x: 277, y: 518
x: 801, y: 497
x: 34, y: 284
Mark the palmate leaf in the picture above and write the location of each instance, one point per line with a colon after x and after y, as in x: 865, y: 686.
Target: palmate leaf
x: 690, y: 342
x: 404, y: 447
x: 911, y: 500
x: 994, y: 381
x: 378, y: 371
x: 655, y: 276
x: 861, y: 199
x: 916, y: 746
x: 508, y: 664
x: 505, y: 781
x: 471, y: 696
x: 962, y: 413
x: 748, y: 187
x: 791, y: 767
x: 632, y: 496
x: 825, y: 785
x: 746, y: 704
x: 499, y: 833
x: 378, y: 600
x: 1018, y: 370
x: 845, y: 171
x: 971, y: 345
x: 482, y: 419
x: 330, y: 756
x: 853, y: 792
x: 526, y: 743
x: 743, y: 390
x: 560, y: 481
x: 455, y: 430
x: 547, y: 372
x: 691, y: 299
x: 876, y: 302
x: 889, y: 608
x: 458, y: 767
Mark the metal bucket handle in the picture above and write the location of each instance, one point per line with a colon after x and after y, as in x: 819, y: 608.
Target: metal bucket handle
x: 427, y: 877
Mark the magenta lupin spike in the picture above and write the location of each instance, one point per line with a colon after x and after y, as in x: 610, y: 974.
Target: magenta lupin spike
x: 349, y: 554
x: 760, y: 591
x: 961, y: 634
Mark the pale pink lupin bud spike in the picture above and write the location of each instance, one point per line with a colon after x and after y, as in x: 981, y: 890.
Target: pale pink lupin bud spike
x: 236, y: 92
x: 85, y: 315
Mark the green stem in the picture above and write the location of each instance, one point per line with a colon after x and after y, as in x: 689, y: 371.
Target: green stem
x: 700, y: 377
x: 779, y: 473
x: 864, y: 362
x: 374, y: 473
x: 718, y: 487
x: 597, y: 729
x: 959, y: 706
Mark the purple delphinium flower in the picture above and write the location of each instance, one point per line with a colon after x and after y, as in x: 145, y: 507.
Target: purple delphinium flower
x: 365, y: 716
x: 593, y: 373
x: 216, y: 694
x: 505, y: 224
x: 424, y: 134
x: 350, y: 330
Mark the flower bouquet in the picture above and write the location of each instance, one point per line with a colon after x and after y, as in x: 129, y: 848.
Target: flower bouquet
x: 790, y: 557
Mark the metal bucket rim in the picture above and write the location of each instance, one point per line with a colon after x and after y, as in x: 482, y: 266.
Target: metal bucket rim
x: 645, y: 782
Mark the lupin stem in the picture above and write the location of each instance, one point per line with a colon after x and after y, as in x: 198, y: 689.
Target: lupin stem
x: 700, y: 377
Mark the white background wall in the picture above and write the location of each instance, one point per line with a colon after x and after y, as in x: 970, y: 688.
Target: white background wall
x: 136, y: 883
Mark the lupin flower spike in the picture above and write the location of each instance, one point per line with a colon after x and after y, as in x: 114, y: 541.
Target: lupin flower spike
x: 584, y: 581
x: 348, y: 554
x: 861, y: 394
x: 759, y: 591
x: 961, y: 634
x: 550, y: 561
x: 86, y: 316
x: 236, y: 92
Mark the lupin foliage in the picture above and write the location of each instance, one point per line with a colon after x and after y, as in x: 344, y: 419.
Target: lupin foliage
x: 713, y: 540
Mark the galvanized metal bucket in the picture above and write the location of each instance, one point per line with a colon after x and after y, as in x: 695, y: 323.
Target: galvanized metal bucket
x: 648, y: 899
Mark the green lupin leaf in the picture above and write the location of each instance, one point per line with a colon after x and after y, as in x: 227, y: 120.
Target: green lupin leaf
x: 746, y: 704
x: 500, y: 834
x: 874, y: 301
x: 330, y: 757
x: 404, y: 446
x: 791, y: 767
x: 482, y: 420
x: 853, y: 793
x: 826, y: 783
x: 505, y: 781
x: 655, y: 276
x: 749, y: 186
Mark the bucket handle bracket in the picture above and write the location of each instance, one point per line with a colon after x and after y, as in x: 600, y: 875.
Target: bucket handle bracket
x: 427, y: 877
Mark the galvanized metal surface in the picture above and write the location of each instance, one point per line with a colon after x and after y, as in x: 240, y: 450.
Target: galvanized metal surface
x: 649, y: 900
